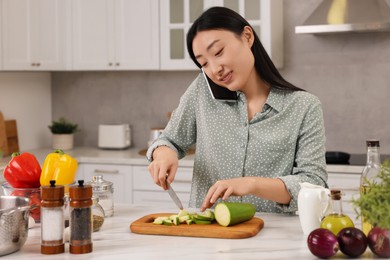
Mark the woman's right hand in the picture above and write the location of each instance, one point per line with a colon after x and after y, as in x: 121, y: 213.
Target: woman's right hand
x: 164, y: 166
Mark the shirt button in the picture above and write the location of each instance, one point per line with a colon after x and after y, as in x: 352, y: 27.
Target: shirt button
x: 243, y: 146
x: 245, y: 124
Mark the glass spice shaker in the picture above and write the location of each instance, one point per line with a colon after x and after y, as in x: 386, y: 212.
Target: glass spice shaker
x: 52, y: 219
x: 80, y: 218
x: 103, y: 190
x: 97, y: 214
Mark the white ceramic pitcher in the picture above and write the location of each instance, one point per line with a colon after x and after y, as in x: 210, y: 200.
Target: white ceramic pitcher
x: 313, y: 203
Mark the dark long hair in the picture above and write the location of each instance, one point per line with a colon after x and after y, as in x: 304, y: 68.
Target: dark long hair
x: 227, y: 19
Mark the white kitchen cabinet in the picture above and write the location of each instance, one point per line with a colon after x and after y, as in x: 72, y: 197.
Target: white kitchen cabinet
x: 34, y: 34
x: 119, y: 175
x: 115, y: 35
x: 146, y: 192
x: 176, y: 17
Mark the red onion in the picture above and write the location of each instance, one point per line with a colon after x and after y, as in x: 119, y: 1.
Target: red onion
x: 352, y: 241
x: 322, y: 243
x: 379, y: 241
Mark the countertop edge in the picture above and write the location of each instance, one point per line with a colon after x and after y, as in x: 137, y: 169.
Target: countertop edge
x: 131, y: 156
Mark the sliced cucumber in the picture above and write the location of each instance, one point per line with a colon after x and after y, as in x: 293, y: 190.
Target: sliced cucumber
x: 176, y: 221
x: 183, y: 219
x: 168, y: 222
x: 172, y: 217
x: 159, y: 220
x: 182, y: 213
x: 183, y: 216
x: 231, y: 213
x: 206, y: 215
x: 202, y: 222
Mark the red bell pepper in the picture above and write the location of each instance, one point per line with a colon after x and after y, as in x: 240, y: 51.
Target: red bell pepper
x: 23, y: 171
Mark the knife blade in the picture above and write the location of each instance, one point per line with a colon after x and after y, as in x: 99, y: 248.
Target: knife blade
x: 174, y: 196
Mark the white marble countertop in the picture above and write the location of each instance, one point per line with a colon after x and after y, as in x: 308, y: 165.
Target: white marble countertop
x: 132, y: 157
x: 281, y: 238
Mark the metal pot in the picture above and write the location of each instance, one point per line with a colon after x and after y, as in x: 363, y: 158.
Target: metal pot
x: 154, y: 134
x: 14, y: 213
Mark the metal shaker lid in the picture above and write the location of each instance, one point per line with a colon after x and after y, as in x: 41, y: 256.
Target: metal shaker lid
x: 99, y: 184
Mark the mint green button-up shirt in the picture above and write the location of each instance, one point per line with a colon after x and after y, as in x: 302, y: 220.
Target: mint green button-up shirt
x: 286, y: 141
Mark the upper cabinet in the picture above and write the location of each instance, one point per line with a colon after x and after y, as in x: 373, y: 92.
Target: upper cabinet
x: 115, y: 35
x: 34, y: 34
x: 176, y: 17
x: 52, y: 35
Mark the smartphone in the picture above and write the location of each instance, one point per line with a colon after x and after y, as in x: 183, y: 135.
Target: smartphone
x: 220, y: 93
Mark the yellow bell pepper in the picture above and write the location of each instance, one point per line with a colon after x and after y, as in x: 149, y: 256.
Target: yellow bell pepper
x: 60, y: 167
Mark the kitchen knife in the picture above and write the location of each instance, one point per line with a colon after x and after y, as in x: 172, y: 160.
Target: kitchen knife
x: 174, y: 197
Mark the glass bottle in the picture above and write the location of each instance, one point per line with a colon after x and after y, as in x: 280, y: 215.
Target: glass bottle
x: 369, y: 174
x: 336, y: 220
x: 80, y: 218
x: 104, y: 191
x: 97, y: 214
x: 52, y: 219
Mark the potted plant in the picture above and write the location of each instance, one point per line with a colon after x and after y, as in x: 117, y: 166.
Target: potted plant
x: 374, y: 205
x: 63, y: 133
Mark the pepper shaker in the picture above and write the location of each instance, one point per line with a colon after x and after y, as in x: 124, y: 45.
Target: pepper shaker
x: 52, y: 219
x: 80, y: 218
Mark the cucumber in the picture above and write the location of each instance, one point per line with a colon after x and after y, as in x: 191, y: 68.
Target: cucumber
x: 183, y: 219
x: 207, y: 215
x: 176, y: 221
x: 231, y: 213
x: 182, y: 213
x: 167, y: 222
x: 159, y: 220
x: 202, y: 222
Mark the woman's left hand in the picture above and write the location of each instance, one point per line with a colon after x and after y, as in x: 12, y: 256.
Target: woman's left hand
x: 226, y: 188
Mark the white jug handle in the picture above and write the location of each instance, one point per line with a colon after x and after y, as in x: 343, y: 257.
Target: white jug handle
x: 325, y: 202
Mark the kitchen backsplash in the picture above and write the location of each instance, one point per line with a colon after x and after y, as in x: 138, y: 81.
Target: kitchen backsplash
x: 141, y: 99
x: 348, y: 72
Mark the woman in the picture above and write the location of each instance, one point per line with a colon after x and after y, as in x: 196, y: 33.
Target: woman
x: 255, y: 149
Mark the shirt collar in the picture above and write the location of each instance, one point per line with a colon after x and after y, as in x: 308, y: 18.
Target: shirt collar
x: 275, y: 99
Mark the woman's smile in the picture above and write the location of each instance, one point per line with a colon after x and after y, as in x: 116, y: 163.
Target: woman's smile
x: 225, y: 79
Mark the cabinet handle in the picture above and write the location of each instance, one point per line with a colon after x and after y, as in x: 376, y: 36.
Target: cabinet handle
x: 33, y: 64
x: 117, y: 64
x: 110, y: 64
x: 106, y: 171
x: 38, y: 64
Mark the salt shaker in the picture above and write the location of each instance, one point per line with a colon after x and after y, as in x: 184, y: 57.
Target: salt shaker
x: 52, y: 219
x: 104, y: 191
x: 80, y: 218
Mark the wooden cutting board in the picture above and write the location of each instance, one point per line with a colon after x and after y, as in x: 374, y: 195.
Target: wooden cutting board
x: 3, y: 136
x: 246, y: 229
x: 12, y: 136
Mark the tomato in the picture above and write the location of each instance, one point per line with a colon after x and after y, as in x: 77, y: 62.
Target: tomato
x: 35, y: 199
x: 20, y: 193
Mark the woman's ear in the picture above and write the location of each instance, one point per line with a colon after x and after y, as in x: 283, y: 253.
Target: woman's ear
x: 247, y: 33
